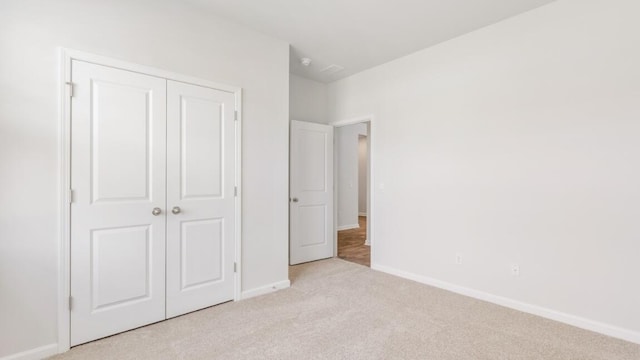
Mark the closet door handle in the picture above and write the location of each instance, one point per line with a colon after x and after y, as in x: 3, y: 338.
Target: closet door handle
x: 156, y: 211
x: 176, y: 210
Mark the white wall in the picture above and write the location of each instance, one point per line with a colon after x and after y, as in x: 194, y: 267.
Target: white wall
x: 307, y: 100
x: 160, y: 33
x: 517, y: 143
x: 347, y: 174
x: 363, y: 165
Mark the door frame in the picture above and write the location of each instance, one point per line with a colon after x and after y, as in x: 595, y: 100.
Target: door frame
x: 65, y: 89
x: 370, y: 177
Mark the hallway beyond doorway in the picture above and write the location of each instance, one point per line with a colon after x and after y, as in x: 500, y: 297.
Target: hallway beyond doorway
x: 351, y: 245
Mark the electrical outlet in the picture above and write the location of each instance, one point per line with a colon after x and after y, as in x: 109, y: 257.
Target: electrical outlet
x: 515, y: 269
x: 458, y: 259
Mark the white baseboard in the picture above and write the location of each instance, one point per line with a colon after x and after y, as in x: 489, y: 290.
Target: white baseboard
x: 34, y: 354
x: 247, y: 294
x: 348, y: 227
x: 587, y: 324
x: 362, y: 214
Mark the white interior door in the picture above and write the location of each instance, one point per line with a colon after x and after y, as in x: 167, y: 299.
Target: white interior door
x: 311, y: 194
x: 118, y: 130
x: 200, y: 197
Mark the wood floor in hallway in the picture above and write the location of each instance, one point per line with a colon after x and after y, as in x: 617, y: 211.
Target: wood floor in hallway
x: 351, y: 245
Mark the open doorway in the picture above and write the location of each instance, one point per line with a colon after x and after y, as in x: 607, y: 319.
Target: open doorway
x: 352, y: 169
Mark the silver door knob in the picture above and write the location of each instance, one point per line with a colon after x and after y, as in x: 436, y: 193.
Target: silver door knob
x: 176, y: 210
x: 294, y: 199
x: 156, y: 211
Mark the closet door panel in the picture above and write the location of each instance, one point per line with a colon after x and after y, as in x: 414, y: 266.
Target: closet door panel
x: 200, y: 197
x: 118, y: 162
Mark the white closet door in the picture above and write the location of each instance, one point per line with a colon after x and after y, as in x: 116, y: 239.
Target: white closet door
x: 200, y: 197
x: 118, y: 166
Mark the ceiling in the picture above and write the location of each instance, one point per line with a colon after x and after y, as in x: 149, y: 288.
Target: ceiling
x: 360, y: 34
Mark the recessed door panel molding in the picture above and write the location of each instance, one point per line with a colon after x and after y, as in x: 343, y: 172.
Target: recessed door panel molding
x: 120, y: 266
x: 121, y: 140
x: 200, y: 186
x: 312, y: 218
x: 313, y: 175
x: 118, y: 170
x: 311, y: 192
x: 201, y: 147
x: 202, y: 247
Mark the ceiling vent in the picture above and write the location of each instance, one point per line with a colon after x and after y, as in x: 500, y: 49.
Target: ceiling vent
x: 332, y: 69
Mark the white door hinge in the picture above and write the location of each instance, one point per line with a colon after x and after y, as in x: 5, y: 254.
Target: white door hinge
x: 70, y: 303
x: 70, y: 87
x: 235, y: 191
x: 235, y: 267
x: 70, y: 196
x: 235, y: 115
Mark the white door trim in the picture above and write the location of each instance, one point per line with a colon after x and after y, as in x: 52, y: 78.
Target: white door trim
x: 64, y: 177
x: 370, y: 179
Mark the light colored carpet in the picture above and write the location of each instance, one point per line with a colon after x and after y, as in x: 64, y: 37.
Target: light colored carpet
x: 339, y: 310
